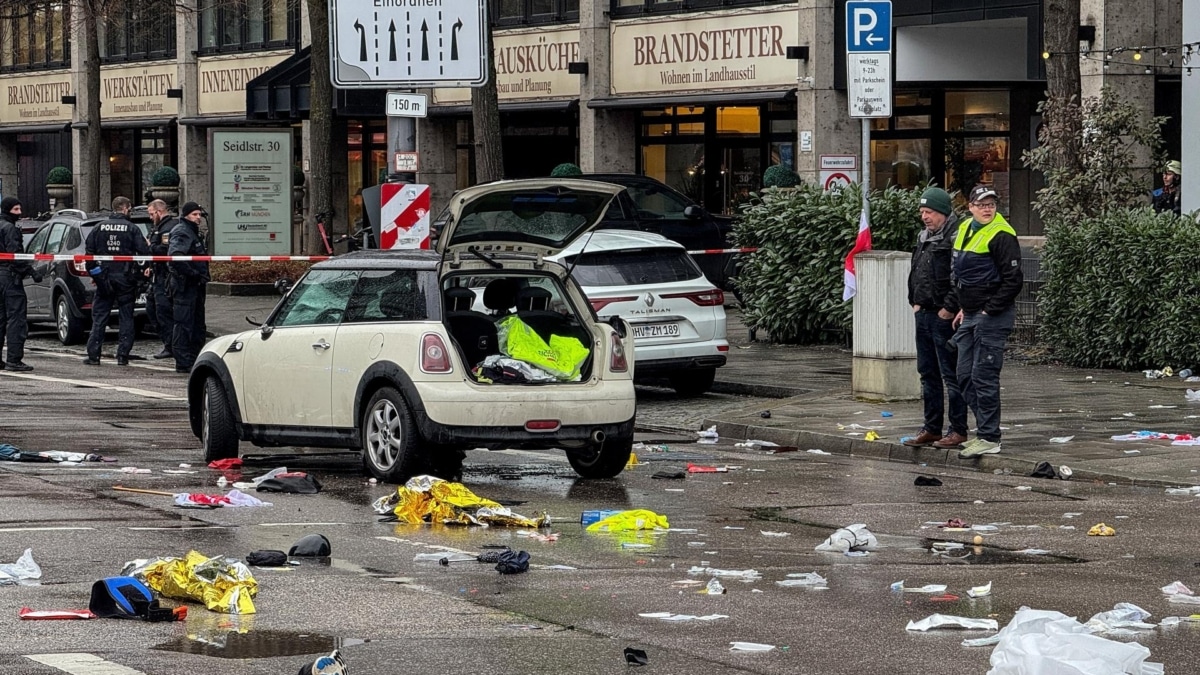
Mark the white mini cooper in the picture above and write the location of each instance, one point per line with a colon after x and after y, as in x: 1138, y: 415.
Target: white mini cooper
x: 385, y: 351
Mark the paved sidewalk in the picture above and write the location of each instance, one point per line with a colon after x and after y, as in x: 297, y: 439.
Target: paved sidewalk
x: 1039, y: 402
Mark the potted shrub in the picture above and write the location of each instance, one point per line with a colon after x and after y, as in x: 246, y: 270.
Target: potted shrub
x: 565, y: 170
x: 59, y: 187
x: 164, y: 185
x: 780, y: 176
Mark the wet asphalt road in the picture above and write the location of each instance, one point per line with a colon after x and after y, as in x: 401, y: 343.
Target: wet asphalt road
x: 464, y: 618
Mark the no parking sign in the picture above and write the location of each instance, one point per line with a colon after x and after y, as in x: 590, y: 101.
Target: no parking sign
x: 838, y: 171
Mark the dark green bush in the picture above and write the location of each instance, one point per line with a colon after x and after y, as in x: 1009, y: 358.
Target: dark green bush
x: 59, y: 175
x: 1122, y: 291
x: 165, y: 177
x: 792, y: 287
x: 566, y: 170
x: 780, y: 176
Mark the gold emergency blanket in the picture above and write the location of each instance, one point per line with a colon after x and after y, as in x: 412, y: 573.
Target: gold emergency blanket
x: 426, y: 499
x: 223, y: 585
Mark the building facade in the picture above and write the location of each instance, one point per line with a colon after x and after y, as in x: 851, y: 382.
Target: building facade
x: 700, y: 94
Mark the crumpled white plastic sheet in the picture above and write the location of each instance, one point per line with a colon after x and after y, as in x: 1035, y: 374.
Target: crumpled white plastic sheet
x: 668, y: 616
x: 948, y: 621
x: 803, y: 579
x: 749, y: 647
x: 1122, y: 615
x: 850, y: 538
x: 740, y: 575
x: 1051, y: 643
x: 24, y: 569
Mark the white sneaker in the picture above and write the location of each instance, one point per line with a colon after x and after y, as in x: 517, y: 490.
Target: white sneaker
x: 978, y: 447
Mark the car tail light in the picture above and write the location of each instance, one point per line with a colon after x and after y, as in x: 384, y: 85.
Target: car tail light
x: 616, y: 360
x: 710, y: 298
x: 600, y: 303
x: 542, y: 425
x: 434, y: 356
x: 79, y: 268
x: 722, y: 348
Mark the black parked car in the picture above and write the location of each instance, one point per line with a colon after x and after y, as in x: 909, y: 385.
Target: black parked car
x: 64, y: 295
x: 652, y: 206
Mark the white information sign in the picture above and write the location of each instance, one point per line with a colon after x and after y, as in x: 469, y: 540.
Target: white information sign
x: 869, y: 84
x: 407, y: 44
x: 407, y: 105
x: 251, y: 212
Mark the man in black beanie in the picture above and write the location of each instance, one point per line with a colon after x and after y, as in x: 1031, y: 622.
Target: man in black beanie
x: 189, y: 280
x: 13, y: 302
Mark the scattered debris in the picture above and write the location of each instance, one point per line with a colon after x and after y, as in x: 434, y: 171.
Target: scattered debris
x: 696, y: 468
x: 636, y: 657
x: 765, y: 533
x: 980, y: 591
x: 226, y: 464
x: 947, y: 621
x: 1123, y: 615
x: 234, y: 498
x: 1024, y: 487
x: 24, y: 569
x: 871, y: 436
x: 850, y: 538
x: 295, y: 483
x: 426, y: 499
x: 28, y: 614
x: 267, y: 559
x: 885, y: 414
x: 326, y: 665
x: 739, y: 575
x: 624, y: 521
x: 817, y: 451
x: 223, y: 585
x: 1180, y: 594
x: 809, y: 579
x: 311, y: 545
x: 766, y: 414
x: 1044, y: 470
x: 749, y: 647
x: 669, y: 475
x: 1062, y: 439
x: 714, y: 587
x: 125, y: 597
x: 709, y: 435
x: 927, y: 481
x: 513, y: 562
x: 1041, y: 641
x: 668, y: 616
x: 1101, y: 530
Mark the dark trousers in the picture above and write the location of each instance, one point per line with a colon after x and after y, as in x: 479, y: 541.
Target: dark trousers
x: 937, y: 365
x: 123, y: 296
x: 188, y: 308
x: 13, y: 308
x: 163, y: 311
x: 980, y: 340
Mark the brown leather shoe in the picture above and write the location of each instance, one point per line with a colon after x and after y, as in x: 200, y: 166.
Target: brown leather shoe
x: 922, y: 439
x: 953, y: 440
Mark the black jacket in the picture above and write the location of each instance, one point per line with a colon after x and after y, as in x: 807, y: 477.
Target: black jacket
x: 1005, y: 253
x: 929, y: 277
x: 118, y: 236
x: 10, y: 242
x: 160, y: 244
x: 186, y: 240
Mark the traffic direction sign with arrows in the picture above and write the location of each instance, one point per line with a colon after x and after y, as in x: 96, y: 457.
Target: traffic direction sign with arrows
x: 376, y: 44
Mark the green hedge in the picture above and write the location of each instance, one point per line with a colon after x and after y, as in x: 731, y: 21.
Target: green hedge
x: 1122, y: 291
x: 792, y: 287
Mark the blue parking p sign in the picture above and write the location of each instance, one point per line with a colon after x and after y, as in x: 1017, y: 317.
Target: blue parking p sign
x: 868, y: 26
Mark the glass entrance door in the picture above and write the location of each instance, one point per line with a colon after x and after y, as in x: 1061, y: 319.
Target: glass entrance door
x: 741, y: 174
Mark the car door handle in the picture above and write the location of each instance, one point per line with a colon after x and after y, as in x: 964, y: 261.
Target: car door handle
x: 321, y: 345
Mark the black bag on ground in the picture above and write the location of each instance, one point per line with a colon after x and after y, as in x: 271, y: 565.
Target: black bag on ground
x: 292, y: 485
x: 126, y: 598
x: 312, y: 545
x: 267, y: 558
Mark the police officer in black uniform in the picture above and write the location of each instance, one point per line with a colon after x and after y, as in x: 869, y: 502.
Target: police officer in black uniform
x: 160, y: 240
x: 188, y: 282
x: 116, y: 282
x: 13, y: 302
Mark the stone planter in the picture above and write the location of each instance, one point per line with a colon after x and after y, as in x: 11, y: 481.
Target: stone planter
x: 167, y: 193
x: 297, y: 197
x: 61, y: 193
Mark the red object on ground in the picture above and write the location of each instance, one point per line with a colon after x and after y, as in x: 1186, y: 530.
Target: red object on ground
x: 207, y: 500
x: 696, y: 468
x: 946, y: 597
x: 226, y: 464
x: 28, y: 614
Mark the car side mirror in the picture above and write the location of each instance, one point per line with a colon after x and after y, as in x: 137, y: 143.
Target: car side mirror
x: 283, y: 286
x: 266, y: 329
x: 693, y: 212
x: 618, y: 325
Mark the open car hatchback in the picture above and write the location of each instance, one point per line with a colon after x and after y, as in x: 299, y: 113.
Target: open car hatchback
x: 414, y: 356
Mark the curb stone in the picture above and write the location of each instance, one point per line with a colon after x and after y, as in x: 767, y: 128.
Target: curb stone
x: 898, y: 452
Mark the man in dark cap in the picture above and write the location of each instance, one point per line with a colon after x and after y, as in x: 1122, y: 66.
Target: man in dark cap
x: 116, y: 282
x: 160, y: 240
x: 188, y: 282
x: 934, y: 308
x: 13, y: 302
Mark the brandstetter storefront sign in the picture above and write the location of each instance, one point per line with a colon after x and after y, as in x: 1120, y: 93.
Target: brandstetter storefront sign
x: 35, y: 99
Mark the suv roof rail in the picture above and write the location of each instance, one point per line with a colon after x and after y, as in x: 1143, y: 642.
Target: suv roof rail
x: 77, y: 213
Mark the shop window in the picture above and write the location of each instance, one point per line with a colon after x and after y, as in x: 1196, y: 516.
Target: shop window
x: 520, y: 12
x: 977, y: 111
x: 974, y: 160
x: 248, y: 25
x: 738, y: 121
x: 903, y: 163
x: 35, y: 38
x: 141, y: 30
x: 680, y: 165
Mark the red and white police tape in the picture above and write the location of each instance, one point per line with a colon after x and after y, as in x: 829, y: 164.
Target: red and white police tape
x: 48, y: 257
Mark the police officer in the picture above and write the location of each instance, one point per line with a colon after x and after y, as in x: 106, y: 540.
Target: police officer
x: 160, y: 240
x: 188, y: 281
x: 13, y: 302
x: 116, y: 282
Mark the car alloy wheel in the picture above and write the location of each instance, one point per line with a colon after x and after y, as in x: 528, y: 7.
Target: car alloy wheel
x: 385, y: 435
x: 62, y: 319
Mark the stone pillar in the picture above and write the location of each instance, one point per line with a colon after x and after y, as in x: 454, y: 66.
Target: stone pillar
x: 1191, y: 114
x: 885, y: 350
x: 9, y: 163
x: 438, y: 149
x: 607, y: 138
x: 821, y: 109
x: 192, y: 140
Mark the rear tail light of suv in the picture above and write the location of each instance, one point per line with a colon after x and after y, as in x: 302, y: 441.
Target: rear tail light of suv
x: 710, y: 298
x: 79, y: 268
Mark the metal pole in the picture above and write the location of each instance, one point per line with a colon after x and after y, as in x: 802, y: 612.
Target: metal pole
x: 402, y: 137
x: 866, y: 166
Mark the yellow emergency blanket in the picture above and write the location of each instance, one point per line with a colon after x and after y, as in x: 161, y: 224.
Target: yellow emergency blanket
x: 562, y: 358
x: 637, y: 519
x: 223, y: 585
x: 426, y: 499
x: 1101, y: 530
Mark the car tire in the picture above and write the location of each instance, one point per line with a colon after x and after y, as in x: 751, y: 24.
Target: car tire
x: 217, y: 433
x: 603, y: 460
x: 689, y: 383
x: 389, y: 438
x: 70, y: 329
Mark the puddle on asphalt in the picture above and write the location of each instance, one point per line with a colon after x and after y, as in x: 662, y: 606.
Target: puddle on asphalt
x: 258, y: 644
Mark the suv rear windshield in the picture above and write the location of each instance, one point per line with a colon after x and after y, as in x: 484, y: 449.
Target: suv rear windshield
x: 633, y: 267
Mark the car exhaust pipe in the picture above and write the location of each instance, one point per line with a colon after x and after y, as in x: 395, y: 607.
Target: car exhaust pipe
x: 598, y: 436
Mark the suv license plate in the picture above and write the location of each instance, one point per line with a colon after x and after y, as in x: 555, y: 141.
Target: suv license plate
x: 656, y: 330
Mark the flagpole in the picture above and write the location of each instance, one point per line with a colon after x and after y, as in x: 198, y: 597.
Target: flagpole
x: 866, y: 167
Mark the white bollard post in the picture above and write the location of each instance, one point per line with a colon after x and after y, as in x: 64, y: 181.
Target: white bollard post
x: 885, y: 351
